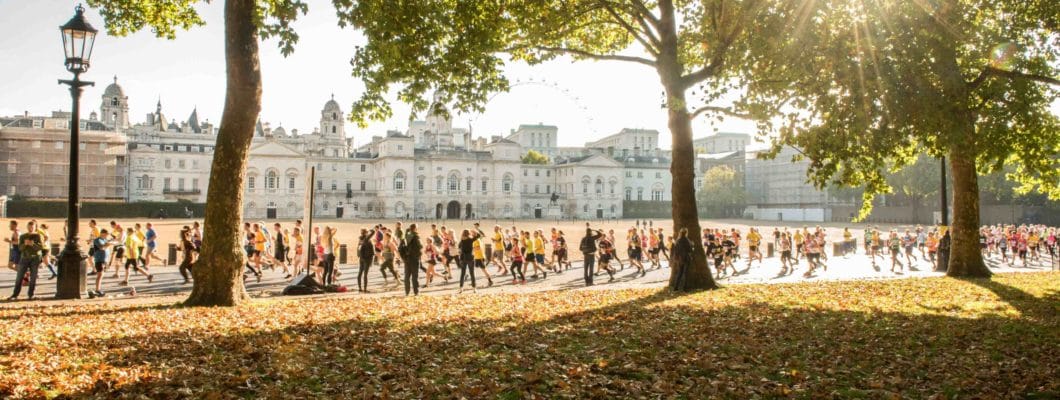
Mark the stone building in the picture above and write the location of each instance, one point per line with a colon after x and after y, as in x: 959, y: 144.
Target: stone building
x: 430, y: 170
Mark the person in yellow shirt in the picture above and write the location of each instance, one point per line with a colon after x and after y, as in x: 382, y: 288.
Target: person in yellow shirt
x: 539, y: 248
x: 798, y: 245
x: 498, y: 251
x: 754, y: 239
x: 531, y: 254
x: 133, y: 245
x: 480, y: 258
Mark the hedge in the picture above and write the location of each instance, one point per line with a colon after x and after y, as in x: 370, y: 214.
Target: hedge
x: 144, y: 209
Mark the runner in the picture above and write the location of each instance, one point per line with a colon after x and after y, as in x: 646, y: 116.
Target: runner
x: 133, y: 244
x: 187, y: 251
x: 479, y: 255
x: 894, y: 244
x: 518, y: 275
x: 12, y: 246
x: 99, y: 261
x: 754, y: 239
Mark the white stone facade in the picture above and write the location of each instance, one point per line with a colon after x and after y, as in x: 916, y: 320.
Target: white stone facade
x: 430, y: 171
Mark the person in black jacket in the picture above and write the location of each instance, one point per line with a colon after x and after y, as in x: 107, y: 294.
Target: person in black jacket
x: 681, y: 256
x: 588, y: 249
x: 365, y: 253
x: 411, y: 258
x: 467, y: 258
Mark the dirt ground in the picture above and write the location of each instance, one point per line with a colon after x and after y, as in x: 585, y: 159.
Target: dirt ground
x: 348, y: 230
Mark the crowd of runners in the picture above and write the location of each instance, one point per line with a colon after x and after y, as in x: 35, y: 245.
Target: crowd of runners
x: 401, y: 253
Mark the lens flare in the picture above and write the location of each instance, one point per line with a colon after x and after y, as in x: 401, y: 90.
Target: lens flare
x: 1003, y: 56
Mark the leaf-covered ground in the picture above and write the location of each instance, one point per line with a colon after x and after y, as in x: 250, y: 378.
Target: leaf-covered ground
x: 915, y: 338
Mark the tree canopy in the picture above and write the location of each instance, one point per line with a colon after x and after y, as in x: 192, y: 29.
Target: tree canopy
x: 864, y: 87
x: 535, y: 157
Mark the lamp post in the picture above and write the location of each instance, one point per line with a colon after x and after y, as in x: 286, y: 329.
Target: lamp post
x: 78, y: 39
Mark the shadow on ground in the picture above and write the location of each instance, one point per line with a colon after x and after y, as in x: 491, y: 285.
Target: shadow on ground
x: 655, y: 345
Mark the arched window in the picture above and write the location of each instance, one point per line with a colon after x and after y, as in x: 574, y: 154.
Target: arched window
x: 399, y: 181
x: 250, y: 183
x: 599, y: 186
x: 640, y: 193
x: 629, y: 193
x: 454, y: 183
x: 506, y: 183
x: 657, y: 192
x: 272, y: 179
x: 585, y: 185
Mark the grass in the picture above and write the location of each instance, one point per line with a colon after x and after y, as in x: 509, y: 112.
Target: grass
x: 916, y: 338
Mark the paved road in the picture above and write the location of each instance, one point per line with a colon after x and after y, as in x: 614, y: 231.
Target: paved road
x: 168, y: 282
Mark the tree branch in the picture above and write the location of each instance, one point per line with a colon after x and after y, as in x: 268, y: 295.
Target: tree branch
x: 645, y: 12
x: 991, y: 71
x: 594, y: 56
x: 651, y: 47
x: 724, y: 110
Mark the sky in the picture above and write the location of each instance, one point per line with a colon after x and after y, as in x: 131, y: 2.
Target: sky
x: 586, y: 100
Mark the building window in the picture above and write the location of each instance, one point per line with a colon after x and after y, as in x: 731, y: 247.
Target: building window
x: 250, y: 183
x: 640, y: 193
x: 548, y: 173
x: 537, y: 172
x: 399, y: 181
x: 320, y: 185
x: 12, y: 168
x: 468, y: 185
x: 537, y: 189
x: 290, y: 182
x: 506, y: 184
x: 657, y: 195
x: 169, y: 164
x: 454, y: 183
x: 640, y: 174
x: 272, y: 180
x: 165, y: 184
x: 180, y: 184
x: 419, y: 183
x: 194, y: 183
x: 485, y: 185
x: 334, y: 186
x: 181, y: 164
x: 629, y: 194
x: 658, y: 175
x: 364, y: 187
x: 362, y: 167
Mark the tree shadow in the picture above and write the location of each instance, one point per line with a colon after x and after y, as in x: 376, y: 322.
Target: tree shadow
x: 657, y: 345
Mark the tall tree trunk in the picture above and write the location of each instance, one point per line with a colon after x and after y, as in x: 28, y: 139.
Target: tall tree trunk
x: 219, y: 271
x: 685, y: 213
x: 966, y: 259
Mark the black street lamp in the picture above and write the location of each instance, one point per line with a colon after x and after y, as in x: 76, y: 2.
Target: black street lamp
x: 78, y: 38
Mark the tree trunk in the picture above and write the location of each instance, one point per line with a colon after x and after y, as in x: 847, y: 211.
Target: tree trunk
x: 684, y: 210
x: 966, y: 259
x: 219, y: 271
x: 696, y: 276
